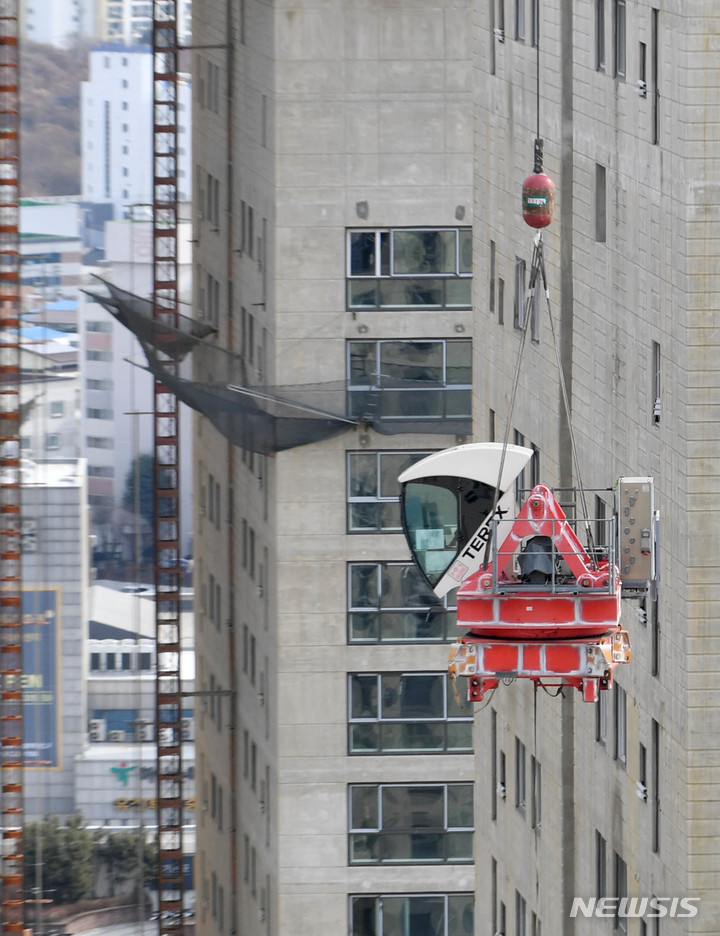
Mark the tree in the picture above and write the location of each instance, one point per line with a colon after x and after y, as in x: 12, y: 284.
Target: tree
x: 143, y: 467
x: 61, y: 856
x: 120, y: 852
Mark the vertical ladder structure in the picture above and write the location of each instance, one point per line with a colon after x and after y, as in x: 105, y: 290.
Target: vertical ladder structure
x: 11, y: 636
x: 168, y: 695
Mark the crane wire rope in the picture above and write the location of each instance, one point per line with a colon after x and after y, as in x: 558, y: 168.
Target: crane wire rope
x: 537, y: 268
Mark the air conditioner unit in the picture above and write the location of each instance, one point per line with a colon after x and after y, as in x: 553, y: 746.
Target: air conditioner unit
x: 98, y: 729
x: 145, y: 732
x: 166, y: 736
x: 116, y: 735
x: 188, y: 729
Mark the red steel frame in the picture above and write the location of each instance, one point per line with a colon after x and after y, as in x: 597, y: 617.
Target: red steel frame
x: 11, y: 635
x: 168, y: 696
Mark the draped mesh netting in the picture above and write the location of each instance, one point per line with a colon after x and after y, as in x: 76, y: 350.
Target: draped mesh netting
x: 394, y: 387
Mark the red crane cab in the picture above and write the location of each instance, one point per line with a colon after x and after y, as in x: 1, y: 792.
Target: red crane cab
x: 537, y: 598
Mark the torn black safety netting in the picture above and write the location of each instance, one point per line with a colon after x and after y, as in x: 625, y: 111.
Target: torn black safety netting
x: 267, y: 419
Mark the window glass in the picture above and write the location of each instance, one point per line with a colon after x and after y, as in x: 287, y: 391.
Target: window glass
x: 401, y: 361
x: 374, y: 491
x: 362, y: 253
x: 392, y: 602
x: 406, y: 712
x: 362, y: 362
x: 424, y: 252
x: 413, y: 824
x: 412, y: 915
x: 427, y: 268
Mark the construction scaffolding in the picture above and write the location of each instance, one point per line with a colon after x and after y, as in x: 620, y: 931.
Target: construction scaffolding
x: 11, y: 619
x: 168, y: 687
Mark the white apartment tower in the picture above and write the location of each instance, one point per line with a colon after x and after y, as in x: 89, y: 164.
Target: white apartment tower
x: 333, y: 180
x: 57, y: 22
x: 116, y: 129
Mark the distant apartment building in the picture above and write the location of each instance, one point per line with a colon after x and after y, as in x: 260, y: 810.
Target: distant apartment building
x: 60, y: 22
x: 130, y: 21
x: 115, y: 422
x: 57, y: 22
x: 50, y: 394
x: 56, y: 569
x: 116, y: 129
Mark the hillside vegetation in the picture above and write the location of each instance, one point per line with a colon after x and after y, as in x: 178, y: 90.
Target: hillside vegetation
x: 50, y: 118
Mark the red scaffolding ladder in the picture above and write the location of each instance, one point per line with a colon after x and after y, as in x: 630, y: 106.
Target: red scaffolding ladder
x: 168, y: 696
x: 11, y: 637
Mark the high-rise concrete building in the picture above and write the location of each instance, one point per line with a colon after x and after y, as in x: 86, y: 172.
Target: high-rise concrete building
x: 116, y: 129
x: 614, y: 799
x: 333, y: 152
x: 131, y: 22
x: 56, y: 573
x: 333, y: 183
x: 57, y: 22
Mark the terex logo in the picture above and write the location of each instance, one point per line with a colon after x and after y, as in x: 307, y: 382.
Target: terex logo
x: 635, y: 906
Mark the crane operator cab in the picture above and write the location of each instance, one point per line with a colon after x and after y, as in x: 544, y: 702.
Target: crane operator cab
x: 538, y: 597
x: 447, y: 501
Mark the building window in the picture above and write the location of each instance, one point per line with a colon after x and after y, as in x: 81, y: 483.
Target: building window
x: 411, y: 824
x: 600, y: 866
x: 620, y: 39
x: 492, y: 276
x: 96, y: 413
x: 100, y: 442
x: 519, y: 301
x: 620, y: 891
x: 520, y: 789
x: 642, y: 70
x: 416, y: 914
x: 391, y: 602
x: 52, y: 441
x: 501, y: 301
x: 536, y: 792
x: 654, y: 638
x: 493, y: 765
x: 424, y: 380
x: 601, y: 718
x: 535, y: 22
x: 500, y: 31
x: 408, y: 269
x: 95, y: 326
x: 373, y: 492
x: 520, y: 914
x: 654, y: 66
x: 91, y: 355
x: 656, y: 389
x: 620, y: 724
x: 655, y: 784
x: 520, y: 20
x: 91, y: 384
x: 57, y: 408
x: 392, y: 713
x: 642, y: 772
x: 600, y: 35
x: 600, y: 204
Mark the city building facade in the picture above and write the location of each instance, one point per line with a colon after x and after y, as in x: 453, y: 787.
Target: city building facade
x: 55, y: 573
x: 356, y: 141
x: 333, y: 184
x: 613, y: 799
x: 116, y: 129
